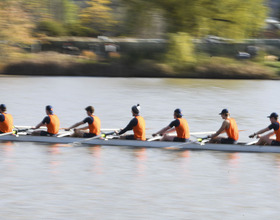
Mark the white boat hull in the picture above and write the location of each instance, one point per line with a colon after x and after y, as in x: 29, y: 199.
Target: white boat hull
x: 146, y: 144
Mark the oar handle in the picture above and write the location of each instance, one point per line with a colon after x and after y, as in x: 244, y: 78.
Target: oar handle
x: 108, y: 133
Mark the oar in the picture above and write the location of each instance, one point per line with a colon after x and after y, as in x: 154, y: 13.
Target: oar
x: 110, y: 129
x: 4, y: 134
x: 17, y: 132
x: 202, y: 132
x: 252, y: 142
x: 206, y: 132
x: 65, y: 134
x: 92, y: 138
x: 180, y: 146
x: 158, y: 137
x: 199, y: 141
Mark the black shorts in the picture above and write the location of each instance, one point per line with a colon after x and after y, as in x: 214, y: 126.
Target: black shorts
x: 176, y: 139
x: 228, y: 141
x: 275, y: 143
x: 88, y: 135
x: 129, y: 137
x: 45, y: 133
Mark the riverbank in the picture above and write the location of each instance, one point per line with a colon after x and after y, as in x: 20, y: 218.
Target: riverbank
x: 54, y: 64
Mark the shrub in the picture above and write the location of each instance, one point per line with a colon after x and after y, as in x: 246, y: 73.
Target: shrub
x: 76, y: 29
x: 180, y: 53
x: 89, y: 54
x: 51, y: 28
x: 114, y: 55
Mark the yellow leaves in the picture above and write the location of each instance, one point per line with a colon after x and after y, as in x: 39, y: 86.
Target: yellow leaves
x: 98, y: 15
x: 15, y: 24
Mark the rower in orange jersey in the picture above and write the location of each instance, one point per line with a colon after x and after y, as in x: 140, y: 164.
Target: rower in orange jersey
x: 6, y: 120
x: 94, y: 125
x: 51, y: 122
x: 268, y: 139
x: 181, y: 127
x: 137, y: 124
x: 229, y: 126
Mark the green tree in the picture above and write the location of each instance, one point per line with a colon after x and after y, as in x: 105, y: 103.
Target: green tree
x: 63, y: 11
x: 233, y: 18
x: 230, y: 18
x: 180, y: 53
x: 142, y: 19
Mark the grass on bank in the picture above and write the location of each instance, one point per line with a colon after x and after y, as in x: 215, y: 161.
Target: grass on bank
x: 220, y: 67
x: 274, y: 65
x: 204, y: 67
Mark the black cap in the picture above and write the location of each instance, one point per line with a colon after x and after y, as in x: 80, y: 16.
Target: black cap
x: 49, y: 108
x: 273, y: 115
x: 178, y: 112
x: 224, y: 111
x: 136, y: 109
x: 3, y: 107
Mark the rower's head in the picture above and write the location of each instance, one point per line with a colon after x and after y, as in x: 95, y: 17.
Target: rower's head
x: 135, y: 109
x: 3, y: 108
x: 90, y: 110
x: 178, y: 113
x: 224, y: 113
x: 49, y: 110
x: 273, y: 117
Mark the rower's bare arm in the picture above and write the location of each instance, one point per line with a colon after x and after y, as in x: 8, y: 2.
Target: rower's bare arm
x: 162, y: 131
x: 170, y: 130
x: 259, y: 132
x: 83, y: 128
x: 221, y: 130
x: 74, y: 125
x: 38, y: 125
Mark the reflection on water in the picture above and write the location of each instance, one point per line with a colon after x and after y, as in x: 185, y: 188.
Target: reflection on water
x: 96, y: 152
x: 41, y: 181
x: 141, y: 159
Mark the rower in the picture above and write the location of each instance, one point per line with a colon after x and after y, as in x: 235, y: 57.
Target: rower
x: 181, y: 127
x: 6, y: 120
x: 94, y: 125
x: 229, y: 126
x: 51, y: 121
x: 137, y: 124
x: 268, y: 139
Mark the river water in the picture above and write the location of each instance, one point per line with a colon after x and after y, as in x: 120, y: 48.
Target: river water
x: 41, y: 181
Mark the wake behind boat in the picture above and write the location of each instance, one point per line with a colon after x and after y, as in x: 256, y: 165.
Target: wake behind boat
x: 241, y: 147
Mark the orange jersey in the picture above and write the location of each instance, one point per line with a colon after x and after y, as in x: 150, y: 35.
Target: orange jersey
x: 53, y: 126
x: 232, y: 131
x: 94, y: 128
x: 7, y: 125
x: 140, y: 129
x: 183, y: 130
x: 277, y: 133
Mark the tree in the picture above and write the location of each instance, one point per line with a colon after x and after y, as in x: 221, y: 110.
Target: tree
x: 63, y: 11
x: 230, y: 18
x: 142, y: 19
x: 15, y: 23
x: 180, y: 53
x: 15, y: 27
x: 98, y: 15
